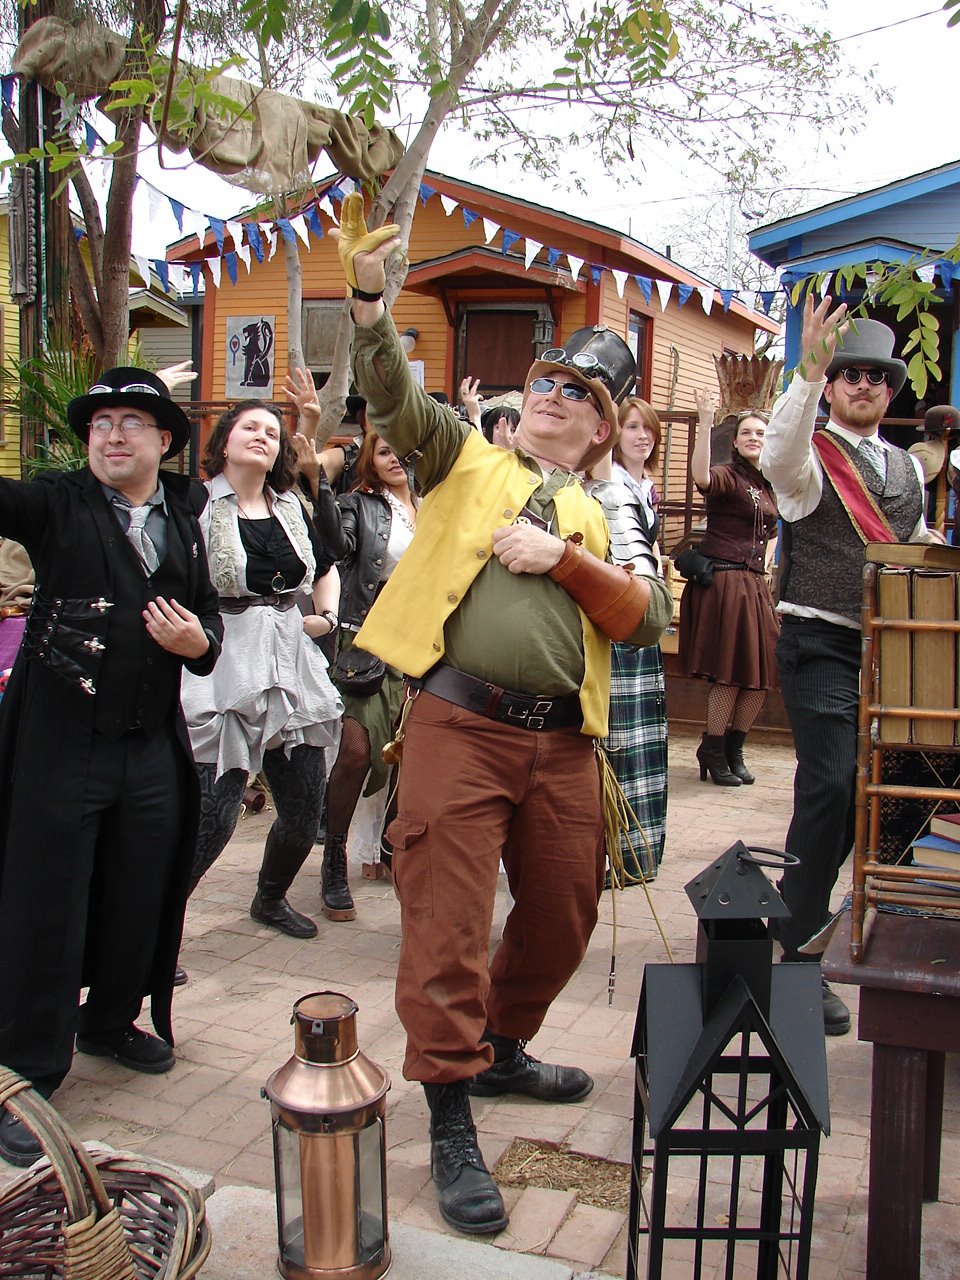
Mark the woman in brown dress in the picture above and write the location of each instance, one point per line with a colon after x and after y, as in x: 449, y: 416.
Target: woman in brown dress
x: 728, y: 630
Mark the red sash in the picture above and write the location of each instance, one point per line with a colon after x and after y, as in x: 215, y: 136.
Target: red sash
x: 850, y: 487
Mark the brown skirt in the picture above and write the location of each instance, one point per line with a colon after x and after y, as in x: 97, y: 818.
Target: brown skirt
x: 729, y: 630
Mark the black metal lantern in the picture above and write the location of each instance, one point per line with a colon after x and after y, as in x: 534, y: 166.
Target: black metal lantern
x: 731, y: 1085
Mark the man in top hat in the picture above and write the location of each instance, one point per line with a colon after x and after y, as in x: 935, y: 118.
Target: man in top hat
x: 98, y: 795
x: 500, y: 613
x: 836, y: 490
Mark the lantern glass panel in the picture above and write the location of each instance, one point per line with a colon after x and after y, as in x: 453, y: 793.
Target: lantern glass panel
x: 286, y: 1145
x: 372, y: 1224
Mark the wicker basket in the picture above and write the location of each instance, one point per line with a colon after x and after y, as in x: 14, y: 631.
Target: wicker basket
x: 93, y: 1217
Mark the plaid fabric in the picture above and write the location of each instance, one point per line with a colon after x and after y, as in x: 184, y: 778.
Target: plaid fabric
x: 637, y: 748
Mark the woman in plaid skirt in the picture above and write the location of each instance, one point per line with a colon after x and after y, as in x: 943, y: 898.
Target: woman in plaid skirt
x: 637, y: 741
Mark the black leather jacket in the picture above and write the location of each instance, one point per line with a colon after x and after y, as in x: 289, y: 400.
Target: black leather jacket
x: 365, y: 519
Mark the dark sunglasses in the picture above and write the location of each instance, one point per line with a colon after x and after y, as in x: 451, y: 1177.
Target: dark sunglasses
x: 569, y: 390
x: 853, y: 375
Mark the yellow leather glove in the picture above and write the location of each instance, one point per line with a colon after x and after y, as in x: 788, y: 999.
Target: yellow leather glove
x: 354, y: 237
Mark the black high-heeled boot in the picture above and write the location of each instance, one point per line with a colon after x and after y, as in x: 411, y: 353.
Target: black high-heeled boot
x: 334, y: 885
x: 713, y: 760
x: 733, y: 741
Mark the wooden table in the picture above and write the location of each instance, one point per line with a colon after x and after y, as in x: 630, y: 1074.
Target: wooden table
x: 909, y: 985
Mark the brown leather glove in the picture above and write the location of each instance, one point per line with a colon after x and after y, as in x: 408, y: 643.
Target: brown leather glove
x: 614, y: 599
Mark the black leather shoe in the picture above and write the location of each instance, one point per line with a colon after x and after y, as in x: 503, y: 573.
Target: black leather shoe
x: 335, y: 892
x: 836, y: 1015
x: 180, y: 977
x: 467, y: 1196
x: 18, y: 1146
x: 278, y: 913
x: 134, y: 1049
x: 514, y: 1071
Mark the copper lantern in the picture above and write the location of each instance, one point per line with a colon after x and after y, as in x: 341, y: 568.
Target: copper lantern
x: 328, y: 1105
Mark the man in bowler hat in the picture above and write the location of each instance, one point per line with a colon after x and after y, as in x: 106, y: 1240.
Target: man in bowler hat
x: 819, y: 493
x: 98, y: 794
x: 501, y: 613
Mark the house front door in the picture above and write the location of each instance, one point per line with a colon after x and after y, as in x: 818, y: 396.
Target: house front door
x: 496, y: 346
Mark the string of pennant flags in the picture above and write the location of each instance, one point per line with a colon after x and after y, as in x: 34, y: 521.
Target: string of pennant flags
x: 264, y: 235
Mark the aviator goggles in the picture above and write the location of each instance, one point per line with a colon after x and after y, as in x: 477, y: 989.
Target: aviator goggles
x: 101, y: 389
x: 585, y: 361
x: 853, y: 375
x: 569, y: 390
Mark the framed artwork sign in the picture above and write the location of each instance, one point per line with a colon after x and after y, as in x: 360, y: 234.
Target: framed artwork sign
x: 250, y: 357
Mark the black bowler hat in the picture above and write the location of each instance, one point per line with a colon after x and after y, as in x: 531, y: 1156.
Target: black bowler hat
x: 138, y: 389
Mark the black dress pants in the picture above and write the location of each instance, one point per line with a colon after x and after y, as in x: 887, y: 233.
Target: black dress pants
x: 819, y: 665
x: 118, y: 872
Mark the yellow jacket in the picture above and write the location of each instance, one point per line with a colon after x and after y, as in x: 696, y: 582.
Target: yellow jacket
x: 485, y: 489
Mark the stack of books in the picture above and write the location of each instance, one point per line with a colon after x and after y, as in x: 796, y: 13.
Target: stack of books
x: 941, y: 847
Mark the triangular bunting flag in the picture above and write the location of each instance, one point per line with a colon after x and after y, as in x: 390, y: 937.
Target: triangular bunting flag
x: 766, y: 300
x: 143, y: 266
x: 254, y: 240
x: 155, y: 201
x: 235, y: 232
x: 726, y: 297
x: 530, y: 252
x: 336, y: 193
x: 176, y: 208
x: 449, y: 204
x: 78, y: 234
x: 469, y: 216
x: 273, y: 235
x: 195, y: 268
x: 553, y: 257
x: 178, y: 276
x: 313, y: 221
x: 425, y: 193
x: 683, y: 294
x: 6, y: 90
x: 925, y: 272
x: 218, y: 227
x: 645, y: 285
x: 243, y: 253
x: 490, y: 229
x: 946, y: 271
x: 91, y: 137
x: 286, y: 230
x: 197, y: 224
x: 595, y: 273
x: 576, y: 265
x: 510, y: 238
x: 231, y: 260
x: 706, y: 296
x: 160, y: 267
x: 620, y: 278
x: 299, y: 224
x: 216, y: 266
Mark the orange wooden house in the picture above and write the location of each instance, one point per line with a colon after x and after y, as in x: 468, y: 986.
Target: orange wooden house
x: 493, y: 281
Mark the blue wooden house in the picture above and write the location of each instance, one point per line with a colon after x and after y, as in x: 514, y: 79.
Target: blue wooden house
x: 890, y: 224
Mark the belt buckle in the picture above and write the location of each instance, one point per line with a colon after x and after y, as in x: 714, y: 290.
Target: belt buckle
x: 534, y: 717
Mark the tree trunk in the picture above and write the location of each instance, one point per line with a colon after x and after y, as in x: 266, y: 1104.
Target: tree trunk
x: 291, y: 257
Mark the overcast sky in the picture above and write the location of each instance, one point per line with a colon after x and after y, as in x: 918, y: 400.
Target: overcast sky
x: 908, y: 43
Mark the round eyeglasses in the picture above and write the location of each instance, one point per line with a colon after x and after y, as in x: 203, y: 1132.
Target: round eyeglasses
x: 853, y: 376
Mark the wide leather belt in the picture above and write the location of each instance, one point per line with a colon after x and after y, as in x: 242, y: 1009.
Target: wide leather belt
x: 239, y: 604
x: 501, y: 704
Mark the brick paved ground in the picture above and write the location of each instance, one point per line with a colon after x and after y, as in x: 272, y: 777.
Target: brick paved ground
x: 232, y: 1025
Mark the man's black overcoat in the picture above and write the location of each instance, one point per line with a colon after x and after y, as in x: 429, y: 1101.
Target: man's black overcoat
x: 46, y: 721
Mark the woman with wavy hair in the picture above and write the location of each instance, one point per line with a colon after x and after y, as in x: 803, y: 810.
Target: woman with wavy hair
x: 269, y: 703
x: 637, y: 742
x: 378, y: 519
x: 729, y: 629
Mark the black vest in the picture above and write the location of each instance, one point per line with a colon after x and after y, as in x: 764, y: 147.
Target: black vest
x: 824, y: 552
x: 138, y: 684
